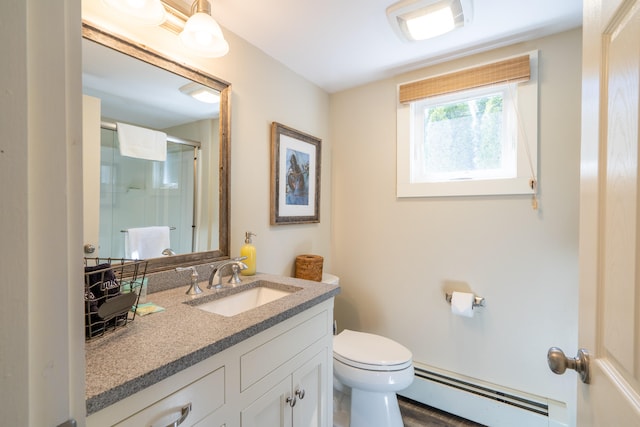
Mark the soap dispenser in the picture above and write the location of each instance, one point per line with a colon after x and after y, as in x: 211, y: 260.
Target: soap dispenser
x: 249, y: 251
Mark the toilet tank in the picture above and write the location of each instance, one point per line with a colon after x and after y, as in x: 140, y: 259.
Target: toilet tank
x: 330, y: 279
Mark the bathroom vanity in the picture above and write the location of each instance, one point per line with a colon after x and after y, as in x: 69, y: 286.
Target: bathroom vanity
x: 269, y: 365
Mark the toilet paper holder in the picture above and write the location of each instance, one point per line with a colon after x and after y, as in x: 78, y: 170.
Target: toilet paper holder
x: 477, y: 301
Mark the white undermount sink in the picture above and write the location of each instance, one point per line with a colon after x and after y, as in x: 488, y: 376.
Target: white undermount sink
x: 243, y: 301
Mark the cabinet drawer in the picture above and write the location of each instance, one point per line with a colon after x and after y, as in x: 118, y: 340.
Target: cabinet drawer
x: 205, y: 396
x: 260, y: 361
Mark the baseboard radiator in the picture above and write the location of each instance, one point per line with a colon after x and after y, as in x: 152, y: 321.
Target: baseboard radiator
x: 482, y: 402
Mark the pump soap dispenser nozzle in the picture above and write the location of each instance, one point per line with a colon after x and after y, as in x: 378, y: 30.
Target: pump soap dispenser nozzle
x: 249, y: 251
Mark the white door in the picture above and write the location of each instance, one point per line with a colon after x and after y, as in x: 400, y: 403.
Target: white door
x: 610, y: 214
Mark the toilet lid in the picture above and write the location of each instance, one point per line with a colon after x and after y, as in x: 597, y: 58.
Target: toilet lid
x: 369, y: 351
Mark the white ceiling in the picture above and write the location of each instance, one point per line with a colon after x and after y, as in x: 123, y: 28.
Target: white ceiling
x: 338, y: 44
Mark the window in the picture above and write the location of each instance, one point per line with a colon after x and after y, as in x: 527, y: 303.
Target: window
x: 467, y: 135
x: 475, y: 139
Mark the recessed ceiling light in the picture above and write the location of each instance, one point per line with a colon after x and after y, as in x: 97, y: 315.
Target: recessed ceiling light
x: 415, y: 20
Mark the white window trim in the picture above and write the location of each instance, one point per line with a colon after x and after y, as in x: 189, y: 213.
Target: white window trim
x: 527, y: 152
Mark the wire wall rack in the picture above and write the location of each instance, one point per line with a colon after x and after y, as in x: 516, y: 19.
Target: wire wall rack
x: 112, y: 289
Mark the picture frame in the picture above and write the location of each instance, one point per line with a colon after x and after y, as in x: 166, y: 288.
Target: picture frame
x: 295, y: 176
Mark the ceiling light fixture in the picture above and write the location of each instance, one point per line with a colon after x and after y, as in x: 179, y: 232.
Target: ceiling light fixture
x: 201, y: 93
x: 202, y: 34
x: 148, y: 12
x: 415, y: 20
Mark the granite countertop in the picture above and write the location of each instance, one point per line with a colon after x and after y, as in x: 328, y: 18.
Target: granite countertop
x: 156, y: 346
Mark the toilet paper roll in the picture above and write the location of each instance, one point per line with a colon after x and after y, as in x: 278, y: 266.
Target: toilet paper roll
x: 462, y: 304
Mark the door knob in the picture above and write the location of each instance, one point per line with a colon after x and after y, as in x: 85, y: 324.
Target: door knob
x: 558, y: 363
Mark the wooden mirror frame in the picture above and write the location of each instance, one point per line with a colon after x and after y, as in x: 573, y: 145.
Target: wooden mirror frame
x: 135, y: 50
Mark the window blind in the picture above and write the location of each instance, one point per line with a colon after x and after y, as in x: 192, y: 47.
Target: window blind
x: 509, y: 70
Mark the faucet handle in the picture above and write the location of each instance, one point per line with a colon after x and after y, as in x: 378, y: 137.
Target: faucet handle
x: 194, y: 289
x: 236, y: 267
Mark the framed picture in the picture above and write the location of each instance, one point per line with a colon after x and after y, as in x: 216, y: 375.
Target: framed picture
x: 295, y: 176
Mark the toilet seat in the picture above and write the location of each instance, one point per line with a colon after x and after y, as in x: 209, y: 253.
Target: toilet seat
x: 370, y: 352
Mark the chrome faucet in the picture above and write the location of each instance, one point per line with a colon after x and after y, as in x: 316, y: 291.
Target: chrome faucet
x: 194, y: 289
x: 216, y: 275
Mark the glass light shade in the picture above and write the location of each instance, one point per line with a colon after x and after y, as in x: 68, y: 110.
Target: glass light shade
x: 149, y: 12
x: 203, y: 35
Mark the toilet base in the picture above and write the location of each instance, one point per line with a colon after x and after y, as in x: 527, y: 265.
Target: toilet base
x: 374, y: 409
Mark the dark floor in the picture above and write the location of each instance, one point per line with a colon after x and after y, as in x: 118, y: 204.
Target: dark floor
x: 415, y: 414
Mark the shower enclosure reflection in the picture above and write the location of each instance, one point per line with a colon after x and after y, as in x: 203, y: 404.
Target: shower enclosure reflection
x: 139, y: 193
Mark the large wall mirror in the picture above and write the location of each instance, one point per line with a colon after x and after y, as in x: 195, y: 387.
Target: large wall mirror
x: 189, y: 191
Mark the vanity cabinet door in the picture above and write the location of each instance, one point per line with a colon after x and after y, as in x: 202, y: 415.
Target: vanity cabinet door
x: 271, y: 409
x: 299, y: 400
x: 309, y: 388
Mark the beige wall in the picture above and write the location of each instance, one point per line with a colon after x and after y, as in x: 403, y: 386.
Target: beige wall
x: 396, y: 256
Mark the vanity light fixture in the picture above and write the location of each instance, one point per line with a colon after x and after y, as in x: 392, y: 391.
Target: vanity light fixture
x: 201, y: 32
x: 415, y: 20
x: 201, y: 93
x: 148, y: 12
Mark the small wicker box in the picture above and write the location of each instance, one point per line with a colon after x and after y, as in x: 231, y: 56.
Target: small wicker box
x: 309, y: 267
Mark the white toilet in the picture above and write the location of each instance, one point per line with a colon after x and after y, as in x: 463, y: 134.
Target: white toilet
x: 368, y: 370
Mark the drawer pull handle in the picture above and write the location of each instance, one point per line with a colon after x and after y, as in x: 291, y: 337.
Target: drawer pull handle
x: 291, y: 401
x: 300, y: 393
x: 186, y: 410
